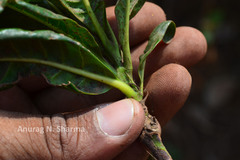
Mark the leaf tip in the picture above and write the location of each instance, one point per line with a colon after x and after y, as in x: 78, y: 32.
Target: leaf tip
x: 170, y: 32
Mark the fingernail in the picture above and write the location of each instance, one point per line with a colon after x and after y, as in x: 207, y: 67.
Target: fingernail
x: 116, y: 118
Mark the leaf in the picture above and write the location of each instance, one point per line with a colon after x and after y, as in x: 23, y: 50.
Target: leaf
x: 2, y: 4
x: 123, y: 10
x: 77, y: 10
x: 93, y: 16
x: 135, y: 6
x: 14, y: 19
x: 58, y: 23
x: 63, y: 61
x: 163, y: 32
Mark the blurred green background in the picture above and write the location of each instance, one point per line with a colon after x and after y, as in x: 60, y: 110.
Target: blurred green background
x: 208, y: 126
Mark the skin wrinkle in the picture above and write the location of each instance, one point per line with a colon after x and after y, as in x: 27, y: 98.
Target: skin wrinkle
x: 6, y: 146
x: 24, y: 150
x: 52, y: 139
x: 4, y: 117
x: 21, y: 143
x: 83, y: 135
x: 85, y: 120
x: 69, y: 136
x: 31, y: 143
x: 33, y: 136
x: 78, y: 136
x: 46, y: 140
x: 62, y: 145
x: 80, y: 146
x: 56, y: 121
x: 69, y: 140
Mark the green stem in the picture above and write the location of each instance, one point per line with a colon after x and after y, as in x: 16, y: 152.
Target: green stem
x: 111, y: 47
x: 141, y: 70
x: 126, y: 46
x: 123, y: 87
x: 98, y: 27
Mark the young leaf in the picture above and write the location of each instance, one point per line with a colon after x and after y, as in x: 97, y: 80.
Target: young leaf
x: 63, y: 61
x: 163, y: 32
x: 93, y: 15
x: 58, y: 23
x: 122, y: 12
x: 135, y: 6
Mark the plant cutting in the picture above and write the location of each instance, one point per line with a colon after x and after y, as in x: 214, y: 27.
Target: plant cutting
x: 78, y: 51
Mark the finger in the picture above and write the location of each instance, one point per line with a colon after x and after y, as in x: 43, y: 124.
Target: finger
x: 56, y: 100
x: 16, y: 100
x: 142, y: 24
x: 135, y: 151
x: 33, y: 84
x: 168, y: 90
x: 98, y: 134
x: 187, y: 48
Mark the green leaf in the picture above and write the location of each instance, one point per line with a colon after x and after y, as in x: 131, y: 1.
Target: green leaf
x: 163, y: 32
x: 93, y: 16
x: 125, y: 10
x: 122, y: 12
x: 135, y: 6
x: 2, y: 4
x: 13, y: 19
x: 77, y: 10
x: 58, y: 23
x: 63, y: 61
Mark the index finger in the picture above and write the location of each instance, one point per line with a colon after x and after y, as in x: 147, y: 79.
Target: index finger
x: 142, y: 24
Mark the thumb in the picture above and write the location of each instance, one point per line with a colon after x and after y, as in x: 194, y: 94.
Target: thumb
x: 98, y: 134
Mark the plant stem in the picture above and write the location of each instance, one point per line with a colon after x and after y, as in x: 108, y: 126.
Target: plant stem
x: 102, y: 35
x: 150, y: 136
x: 116, y: 83
x: 111, y: 47
x: 141, y: 70
x: 125, y: 44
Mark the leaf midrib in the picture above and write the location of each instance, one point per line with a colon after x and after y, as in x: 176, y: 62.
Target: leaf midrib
x: 114, y: 82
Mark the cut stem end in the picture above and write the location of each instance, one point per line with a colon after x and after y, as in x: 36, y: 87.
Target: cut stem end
x: 151, y: 138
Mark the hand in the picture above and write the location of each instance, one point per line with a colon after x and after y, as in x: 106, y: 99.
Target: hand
x: 103, y: 131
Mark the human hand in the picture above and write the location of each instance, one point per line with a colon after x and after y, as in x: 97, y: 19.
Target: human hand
x: 168, y: 85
